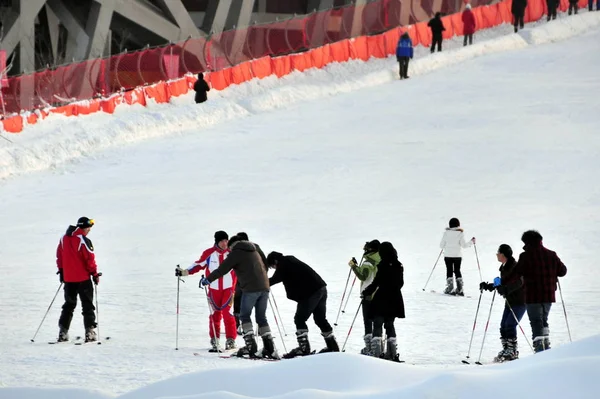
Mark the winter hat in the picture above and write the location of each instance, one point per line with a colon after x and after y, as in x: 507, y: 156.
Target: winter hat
x: 84, y: 222
x: 405, y: 35
x: 243, y: 236
x: 273, y: 257
x: 371, y: 246
x: 220, y: 236
x: 468, y: 6
x: 531, y: 237
x: 505, y: 250
x: 454, y: 222
x: 233, y: 240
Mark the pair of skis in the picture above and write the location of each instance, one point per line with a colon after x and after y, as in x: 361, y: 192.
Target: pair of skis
x: 78, y: 341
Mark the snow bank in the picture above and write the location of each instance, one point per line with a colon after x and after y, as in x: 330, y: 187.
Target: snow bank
x: 569, y: 371
x: 61, y: 139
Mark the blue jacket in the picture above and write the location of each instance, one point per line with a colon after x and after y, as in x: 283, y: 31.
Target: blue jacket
x: 404, y: 48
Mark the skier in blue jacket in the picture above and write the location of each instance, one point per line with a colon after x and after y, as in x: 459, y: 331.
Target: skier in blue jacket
x: 404, y: 52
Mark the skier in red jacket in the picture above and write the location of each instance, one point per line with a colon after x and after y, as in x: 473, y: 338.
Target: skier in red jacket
x: 468, y: 20
x: 76, y: 264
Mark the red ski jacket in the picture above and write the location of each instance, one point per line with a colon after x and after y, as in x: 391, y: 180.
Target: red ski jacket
x: 210, y: 260
x: 468, y: 20
x: 75, y: 256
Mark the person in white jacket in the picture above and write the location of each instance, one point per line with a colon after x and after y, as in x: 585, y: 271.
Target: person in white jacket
x: 452, y: 243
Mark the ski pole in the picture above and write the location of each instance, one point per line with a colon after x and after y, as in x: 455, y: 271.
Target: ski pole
x: 349, y: 295
x: 343, y: 295
x: 97, y: 311
x: 277, y: 322
x: 177, y: 317
x: 478, y: 267
x: 486, y: 328
x: 352, y: 325
x: 519, y: 324
x: 564, y: 310
x: 46, y: 314
x: 434, y: 265
x: 211, y: 319
x: 279, y: 314
x: 474, y: 324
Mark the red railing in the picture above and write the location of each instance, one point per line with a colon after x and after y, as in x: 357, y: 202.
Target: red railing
x: 104, y: 76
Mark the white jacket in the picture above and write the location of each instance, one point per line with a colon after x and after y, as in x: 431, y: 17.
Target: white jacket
x: 453, y: 241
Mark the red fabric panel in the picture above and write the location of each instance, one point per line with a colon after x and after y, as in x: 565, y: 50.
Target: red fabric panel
x: 13, y: 124
x: 301, y: 61
x: 390, y: 40
x: 340, y: 51
x: 261, y: 67
x: 376, y: 46
x: 178, y: 87
x: 281, y: 66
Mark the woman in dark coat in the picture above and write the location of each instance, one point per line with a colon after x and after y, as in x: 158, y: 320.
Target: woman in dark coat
x: 386, y: 302
x: 201, y: 88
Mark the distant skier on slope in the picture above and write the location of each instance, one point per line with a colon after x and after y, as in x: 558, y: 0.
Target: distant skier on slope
x: 518, y: 11
x: 387, y: 302
x: 404, y: 53
x: 201, y: 88
x: 304, y: 286
x: 512, y: 289
x: 366, y: 272
x: 452, y: 243
x: 540, y: 268
x: 250, y: 270
x: 469, y: 24
x: 437, y: 28
x: 76, y: 264
x: 220, y: 294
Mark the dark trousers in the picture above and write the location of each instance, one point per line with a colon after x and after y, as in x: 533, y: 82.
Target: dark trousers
x: 453, y: 267
x: 538, y: 318
x: 573, y: 7
x: 519, y: 20
x: 315, y: 305
x: 257, y: 301
x: 468, y: 38
x: 237, y: 304
x: 403, y: 62
x: 85, y: 290
x: 366, y: 308
x: 437, y: 40
x: 508, y: 325
x: 552, y: 6
x: 387, y: 322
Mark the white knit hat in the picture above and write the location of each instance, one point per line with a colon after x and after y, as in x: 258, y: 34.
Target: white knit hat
x: 468, y: 6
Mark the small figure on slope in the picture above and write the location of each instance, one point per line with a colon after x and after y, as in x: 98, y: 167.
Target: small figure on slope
x: 452, y: 243
x: 468, y: 20
x: 366, y: 272
x: 512, y: 289
x: 386, y: 301
x: 404, y: 53
x: 304, y: 286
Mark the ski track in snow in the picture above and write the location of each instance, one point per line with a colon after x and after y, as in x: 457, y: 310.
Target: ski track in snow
x: 505, y: 142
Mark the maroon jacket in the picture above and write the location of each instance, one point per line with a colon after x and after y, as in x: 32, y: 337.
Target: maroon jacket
x: 468, y: 20
x: 540, y: 268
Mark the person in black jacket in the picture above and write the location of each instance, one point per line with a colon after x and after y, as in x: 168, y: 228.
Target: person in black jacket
x: 512, y: 289
x: 437, y: 27
x: 304, y: 286
x: 387, y: 302
x: 518, y: 11
x: 201, y: 88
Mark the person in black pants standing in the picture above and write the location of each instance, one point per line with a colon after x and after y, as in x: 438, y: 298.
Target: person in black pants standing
x: 518, y: 11
x: 304, y: 286
x: 552, y: 6
x: 437, y: 27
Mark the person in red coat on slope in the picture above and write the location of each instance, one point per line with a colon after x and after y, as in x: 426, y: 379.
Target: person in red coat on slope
x: 76, y: 264
x: 468, y: 20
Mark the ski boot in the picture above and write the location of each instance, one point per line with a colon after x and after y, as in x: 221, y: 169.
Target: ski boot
x: 303, y: 348
x: 500, y: 356
x: 251, y: 347
x: 376, y: 348
x: 214, y: 345
x: 512, y: 352
x: 230, y: 344
x: 332, y: 345
x: 268, y: 350
x: 459, y: 287
x: 367, y: 349
x: 449, y: 285
x: 90, y: 335
x: 391, y: 352
x: 63, y: 335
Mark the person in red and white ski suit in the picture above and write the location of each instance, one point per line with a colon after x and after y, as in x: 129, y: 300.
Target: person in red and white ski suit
x: 220, y: 292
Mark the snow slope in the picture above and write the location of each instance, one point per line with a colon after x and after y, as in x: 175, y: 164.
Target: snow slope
x: 506, y: 142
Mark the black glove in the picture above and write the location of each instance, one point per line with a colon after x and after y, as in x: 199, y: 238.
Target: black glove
x: 178, y: 272
x: 486, y: 286
x: 96, y: 278
x: 60, y: 277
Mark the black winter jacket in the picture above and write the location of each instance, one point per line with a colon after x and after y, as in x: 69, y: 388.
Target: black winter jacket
x: 298, y: 278
x: 437, y: 27
x: 389, y: 280
x: 512, y: 287
x: 201, y: 87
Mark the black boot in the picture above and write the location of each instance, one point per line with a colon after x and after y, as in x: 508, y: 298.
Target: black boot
x: 303, y: 348
x: 251, y: 347
x: 63, y: 335
x: 332, y: 345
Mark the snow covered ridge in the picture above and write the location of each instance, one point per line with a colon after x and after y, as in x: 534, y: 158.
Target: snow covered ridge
x: 62, y: 139
x: 569, y: 371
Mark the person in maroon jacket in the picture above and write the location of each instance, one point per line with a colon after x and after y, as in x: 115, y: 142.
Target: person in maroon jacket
x: 540, y: 268
x: 468, y: 20
x: 76, y: 264
x: 511, y: 288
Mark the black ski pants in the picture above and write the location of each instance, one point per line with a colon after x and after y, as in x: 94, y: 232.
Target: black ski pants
x: 316, y: 304
x: 388, y: 322
x: 519, y: 20
x: 573, y: 7
x: 468, y: 38
x: 453, y: 267
x: 403, y: 62
x: 85, y: 290
x: 437, y: 41
x: 552, y: 6
x: 366, y: 308
x: 237, y: 304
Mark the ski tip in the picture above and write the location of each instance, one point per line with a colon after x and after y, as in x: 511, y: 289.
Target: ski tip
x: 479, y: 363
x: 32, y: 340
x: 465, y: 362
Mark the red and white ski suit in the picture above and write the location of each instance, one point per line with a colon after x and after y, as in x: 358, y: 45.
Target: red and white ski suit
x: 220, y: 292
